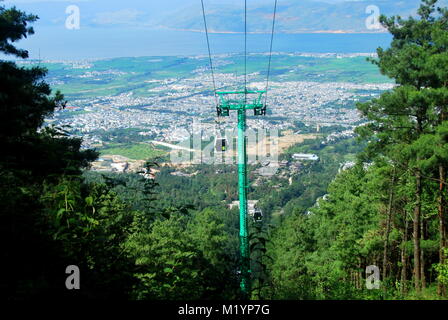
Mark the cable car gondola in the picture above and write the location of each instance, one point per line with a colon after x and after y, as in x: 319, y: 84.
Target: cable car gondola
x: 220, y: 144
x: 258, y: 215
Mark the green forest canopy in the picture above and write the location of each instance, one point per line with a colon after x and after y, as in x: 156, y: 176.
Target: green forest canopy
x: 132, y: 240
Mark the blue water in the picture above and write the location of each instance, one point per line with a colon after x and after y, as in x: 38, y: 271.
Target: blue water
x: 51, y: 43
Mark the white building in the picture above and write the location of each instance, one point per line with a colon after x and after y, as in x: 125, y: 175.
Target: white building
x: 305, y: 156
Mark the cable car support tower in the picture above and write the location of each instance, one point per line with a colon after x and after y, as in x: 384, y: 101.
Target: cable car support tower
x: 241, y: 101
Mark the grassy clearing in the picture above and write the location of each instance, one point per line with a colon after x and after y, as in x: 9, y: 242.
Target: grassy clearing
x: 141, y: 151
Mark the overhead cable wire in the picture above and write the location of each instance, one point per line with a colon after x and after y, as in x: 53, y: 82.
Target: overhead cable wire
x: 245, y: 50
x: 270, y: 51
x: 209, y: 52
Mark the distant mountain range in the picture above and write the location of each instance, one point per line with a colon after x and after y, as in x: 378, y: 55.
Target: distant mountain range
x: 299, y: 16
x: 226, y: 16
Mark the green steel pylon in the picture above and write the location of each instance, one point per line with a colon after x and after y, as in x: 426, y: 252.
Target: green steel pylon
x: 240, y: 104
x: 224, y: 106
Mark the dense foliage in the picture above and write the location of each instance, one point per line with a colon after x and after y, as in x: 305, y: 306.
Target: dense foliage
x: 52, y: 217
x: 390, y: 209
x: 175, y: 237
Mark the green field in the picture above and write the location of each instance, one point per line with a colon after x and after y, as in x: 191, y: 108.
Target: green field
x: 299, y: 68
x: 122, y: 75
x: 141, y: 151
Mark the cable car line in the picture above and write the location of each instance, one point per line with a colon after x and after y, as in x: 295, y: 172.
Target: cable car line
x: 270, y: 52
x: 220, y: 143
x: 245, y: 51
x: 209, y: 52
x: 224, y: 105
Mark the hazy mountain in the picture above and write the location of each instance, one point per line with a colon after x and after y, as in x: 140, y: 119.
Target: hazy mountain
x: 113, y: 28
x: 293, y: 16
x: 223, y: 15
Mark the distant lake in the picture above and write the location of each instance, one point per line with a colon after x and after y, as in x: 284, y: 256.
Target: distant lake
x: 87, y: 42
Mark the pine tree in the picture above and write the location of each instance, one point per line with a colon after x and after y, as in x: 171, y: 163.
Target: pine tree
x: 33, y: 156
x: 417, y: 61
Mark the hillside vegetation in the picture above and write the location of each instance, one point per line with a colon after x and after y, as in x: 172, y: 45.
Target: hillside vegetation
x: 175, y: 237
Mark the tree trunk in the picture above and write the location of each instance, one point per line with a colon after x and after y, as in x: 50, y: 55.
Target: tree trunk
x: 441, y: 289
x: 404, y: 259
x: 422, y: 255
x: 388, y: 223
x: 416, y: 232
